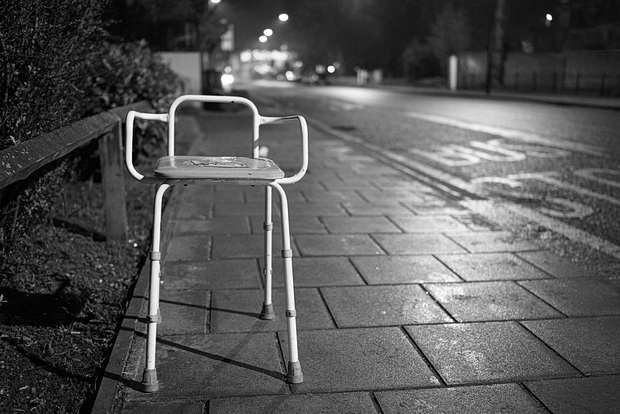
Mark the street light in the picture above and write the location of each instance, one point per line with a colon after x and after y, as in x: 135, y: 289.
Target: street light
x: 548, y: 19
x: 267, y: 32
x: 263, y: 39
x: 283, y: 17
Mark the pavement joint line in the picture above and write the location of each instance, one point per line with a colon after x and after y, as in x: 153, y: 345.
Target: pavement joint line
x: 441, y: 306
x: 425, y: 358
x: 519, y: 322
x: 375, y: 402
x: 329, y: 311
x: 533, y: 395
x: 518, y: 282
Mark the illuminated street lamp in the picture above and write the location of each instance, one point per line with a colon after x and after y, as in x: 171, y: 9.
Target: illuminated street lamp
x: 283, y: 17
x: 267, y: 32
x: 263, y: 39
x: 548, y: 19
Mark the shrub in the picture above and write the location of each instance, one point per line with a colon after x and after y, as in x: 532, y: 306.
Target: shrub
x: 46, y: 47
x: 130, y: 72
x: 56, y: 67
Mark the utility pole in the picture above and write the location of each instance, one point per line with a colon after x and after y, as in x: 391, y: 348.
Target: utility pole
x: 495, y: 55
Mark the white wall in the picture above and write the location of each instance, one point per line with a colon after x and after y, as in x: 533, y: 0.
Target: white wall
x: 187, y: 66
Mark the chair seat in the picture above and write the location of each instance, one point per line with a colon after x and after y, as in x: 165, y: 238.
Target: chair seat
x: 217, y: 169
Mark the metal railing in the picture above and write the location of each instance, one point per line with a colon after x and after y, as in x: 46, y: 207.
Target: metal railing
x: 20, y: 161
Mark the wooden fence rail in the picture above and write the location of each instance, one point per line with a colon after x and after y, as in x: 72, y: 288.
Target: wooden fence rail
x: 22, y: 160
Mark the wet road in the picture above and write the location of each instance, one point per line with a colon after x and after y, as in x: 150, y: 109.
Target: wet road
x: 555, y: 165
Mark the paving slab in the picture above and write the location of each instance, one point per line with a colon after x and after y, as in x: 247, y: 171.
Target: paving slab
x: 478, y: 353
x: 490, y: 301
x: 491, y: 266
x: 315, y: 209
x: 257, y: 195
x: 190, y: 247
x: 359, y: 359
x: 476, y: 223
x: 579, y: 395
x: 318, y: 271
x: 214, y: 274
x: 337, y: 245
x: 429, y: 224
x: 591, y: 344
x: 223, y: 209
x: 440, y: 208
x: 382, y: 306
x: 482, y: 399
x: 226, y: 225
x: 390, y: 199
x: 197, y: 193
x: 492, y: 241
x: 184, y: 312
x: 300, y: 224
x: 400, y: 183
x: 423, y: 243
x: 402, y: 269
x: 578, y: 297
x: 235, y: 246
x: 378, y: 224
x: 349, y: 185
x: 341, y: 403
x: 204, y: 366
x: 367, y: 209
x: 196, y: 210
x: 333, y: 197
x: 238, y: 311
x: 163, y: 407
x: 555, y: 265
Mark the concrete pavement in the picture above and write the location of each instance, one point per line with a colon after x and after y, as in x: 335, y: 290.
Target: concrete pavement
x: 406, y: 301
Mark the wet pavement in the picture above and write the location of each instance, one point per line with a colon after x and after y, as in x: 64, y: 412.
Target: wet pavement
x: 406, y: 301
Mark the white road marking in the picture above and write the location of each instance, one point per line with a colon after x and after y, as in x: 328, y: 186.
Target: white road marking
x: 548, y: 178
x: 508, y: 133
x: 590, y: 173
x: 516, y: 190
x: 568, y: 231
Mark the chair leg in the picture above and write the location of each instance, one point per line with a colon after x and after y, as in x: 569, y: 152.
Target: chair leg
x: 267, y: 311
x: 149, y: 378
x: 294, y: 374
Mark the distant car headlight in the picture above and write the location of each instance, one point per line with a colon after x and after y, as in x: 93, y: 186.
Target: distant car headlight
x: 227, y: 80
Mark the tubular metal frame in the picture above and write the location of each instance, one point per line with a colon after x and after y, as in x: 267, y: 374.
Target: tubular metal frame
x: 294, y: 373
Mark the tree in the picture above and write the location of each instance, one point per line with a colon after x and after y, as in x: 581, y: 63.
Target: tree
x: 450, y: 34
x: 419, y: 61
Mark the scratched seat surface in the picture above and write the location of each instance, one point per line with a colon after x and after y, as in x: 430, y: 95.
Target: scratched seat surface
x: 218, y: 169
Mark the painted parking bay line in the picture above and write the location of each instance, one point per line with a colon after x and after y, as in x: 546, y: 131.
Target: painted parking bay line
x: 508, y: 133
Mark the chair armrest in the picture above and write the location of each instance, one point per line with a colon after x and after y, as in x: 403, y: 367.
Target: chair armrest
x: 304, y: 144
x: 131, y: 115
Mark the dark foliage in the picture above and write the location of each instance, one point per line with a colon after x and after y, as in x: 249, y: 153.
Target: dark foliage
x: 62, y: 289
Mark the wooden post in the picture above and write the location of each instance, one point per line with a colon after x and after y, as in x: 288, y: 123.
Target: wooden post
x: 113, y: 184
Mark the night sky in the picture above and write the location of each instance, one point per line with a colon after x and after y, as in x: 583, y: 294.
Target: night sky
x: 365, y: 33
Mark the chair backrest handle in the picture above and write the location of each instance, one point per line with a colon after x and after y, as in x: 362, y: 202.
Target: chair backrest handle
x: 131, y: 116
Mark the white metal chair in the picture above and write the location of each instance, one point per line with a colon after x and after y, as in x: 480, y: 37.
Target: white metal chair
x: 174, y: 169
